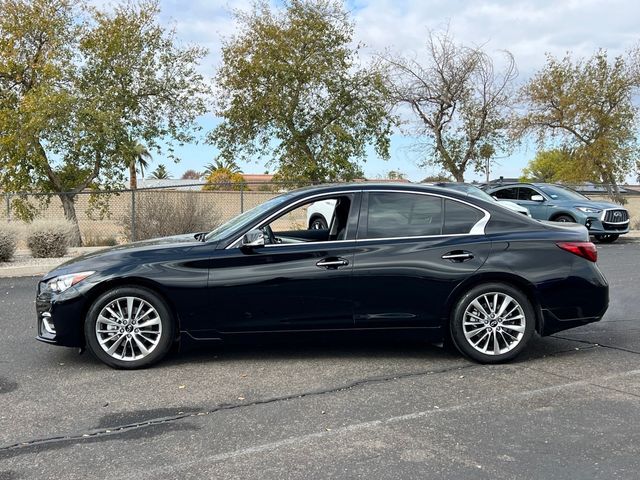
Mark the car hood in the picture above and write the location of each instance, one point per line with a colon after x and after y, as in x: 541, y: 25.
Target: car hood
x: 105, y: 258
x: 595, y: 204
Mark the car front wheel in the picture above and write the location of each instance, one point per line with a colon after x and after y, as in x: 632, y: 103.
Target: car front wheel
x: 318, y: 223
x: 129, y: 327
x: 492, y: 323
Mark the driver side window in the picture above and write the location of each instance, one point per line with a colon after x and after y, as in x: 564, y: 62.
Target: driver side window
x: 321, y: 220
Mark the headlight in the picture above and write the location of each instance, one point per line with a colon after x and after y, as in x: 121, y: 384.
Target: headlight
x: 589, y: 209
x: 63, y: 282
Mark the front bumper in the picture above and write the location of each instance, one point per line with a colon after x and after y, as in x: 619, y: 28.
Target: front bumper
x: 597, y: 227
x: 60, y: 317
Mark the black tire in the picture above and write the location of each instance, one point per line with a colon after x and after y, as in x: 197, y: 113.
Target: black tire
x: 318, y: 223
x: 564, y: 218
x: 607, y: 238
x: 162, y: 340
x: 464, y: 344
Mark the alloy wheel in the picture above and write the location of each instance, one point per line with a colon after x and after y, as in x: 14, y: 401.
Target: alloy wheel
x: 494, y: 323
x: 128, y: 328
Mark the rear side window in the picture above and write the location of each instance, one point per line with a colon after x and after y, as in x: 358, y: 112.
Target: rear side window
x: 459, y: 217
x: 402, y: 215
x: 506, y: 194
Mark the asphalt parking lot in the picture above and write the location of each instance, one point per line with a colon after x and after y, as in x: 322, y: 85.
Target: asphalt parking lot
x: 329, y: 407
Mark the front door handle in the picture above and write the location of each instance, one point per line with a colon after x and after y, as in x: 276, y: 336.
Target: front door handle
x: 332, y: 263
x: 458, y: 256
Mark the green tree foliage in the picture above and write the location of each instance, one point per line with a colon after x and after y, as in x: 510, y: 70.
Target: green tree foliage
x: 586, y: 107
x: 554, y: 166
x: 460, y: 103
x: 78, y: 83
x: 437, y: 178
x: 222, y: 164
x: 160, y: 173
x: 291, y: 88
x: 224, y: 179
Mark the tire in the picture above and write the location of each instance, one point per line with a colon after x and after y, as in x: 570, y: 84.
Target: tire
x: 468, y: 326
x: 564, y: 218
x: 109, y: 323
x: 318, y: 223
x: 607, y: 237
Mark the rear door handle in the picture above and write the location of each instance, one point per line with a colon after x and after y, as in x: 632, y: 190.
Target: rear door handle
x: 458, y: 256
x: 332, y: 263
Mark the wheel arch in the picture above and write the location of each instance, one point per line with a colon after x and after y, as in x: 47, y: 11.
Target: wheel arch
x: 565, y: 213
x: 526, y: 287
x: 110, y: 284
x: 315, y: 216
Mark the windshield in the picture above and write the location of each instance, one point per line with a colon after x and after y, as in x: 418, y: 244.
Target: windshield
x: 244, y: 219
x: 562, y: 193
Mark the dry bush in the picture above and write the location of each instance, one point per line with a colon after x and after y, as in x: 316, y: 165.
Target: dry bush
x: 49, y: 238
x: 8, y: 239
x: 161, y: 214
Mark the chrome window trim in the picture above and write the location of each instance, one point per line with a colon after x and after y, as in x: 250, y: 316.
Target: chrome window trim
x: 477, y: 229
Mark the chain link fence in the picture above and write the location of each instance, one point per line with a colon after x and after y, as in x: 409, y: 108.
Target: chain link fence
x: 113, y: 217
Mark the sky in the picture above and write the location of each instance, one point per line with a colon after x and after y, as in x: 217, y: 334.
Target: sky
x: 528, y: 29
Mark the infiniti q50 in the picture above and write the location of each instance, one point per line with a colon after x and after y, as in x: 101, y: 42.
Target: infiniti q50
x: 435, y: 261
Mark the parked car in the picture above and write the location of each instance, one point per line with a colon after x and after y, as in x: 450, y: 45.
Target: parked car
x: 606, y: 221
x: 477, y: 192
x: 430, y: 260
x: 320, y: 213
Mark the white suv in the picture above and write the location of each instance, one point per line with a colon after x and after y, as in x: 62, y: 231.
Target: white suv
x: 320, y: 214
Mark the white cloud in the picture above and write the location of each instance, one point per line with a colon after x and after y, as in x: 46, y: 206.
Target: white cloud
x: 527, y: 28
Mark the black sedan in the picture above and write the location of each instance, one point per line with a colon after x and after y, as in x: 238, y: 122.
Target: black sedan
x: 440, y: 263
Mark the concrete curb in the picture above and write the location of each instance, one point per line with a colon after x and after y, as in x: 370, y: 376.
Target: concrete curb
x: 23, y: 265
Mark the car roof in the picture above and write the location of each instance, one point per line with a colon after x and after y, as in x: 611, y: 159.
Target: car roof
x: 389, y: 186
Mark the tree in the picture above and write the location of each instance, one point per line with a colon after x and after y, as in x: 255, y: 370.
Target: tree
x: 552, y: 166
x: 440, y: 177
x: 191, y: 175
x: 458, y: 100
x: 222, y: 164
x: 291, y: 88
x: 138, y: 156
x: 224, y: 179
x: 160, y: 173
x: 394, y: 175
x: 586, y: 108
x: 78, y: 83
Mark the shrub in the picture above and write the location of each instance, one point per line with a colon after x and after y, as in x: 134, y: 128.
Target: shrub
x: 7, y: 243
x: 99, y: 241
x: 49, y: 238
x: 161, y: 214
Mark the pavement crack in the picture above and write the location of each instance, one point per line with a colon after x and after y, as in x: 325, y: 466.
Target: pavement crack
x: 120, y: 429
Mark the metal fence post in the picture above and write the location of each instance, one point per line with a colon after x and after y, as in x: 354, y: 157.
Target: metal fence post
x: 241, y: 198
x: 133, y: 215
x: 8, y: 202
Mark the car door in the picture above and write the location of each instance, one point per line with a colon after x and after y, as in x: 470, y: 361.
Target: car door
x: 413, y: 249
x: 538, y: 209
x: 286, y: 286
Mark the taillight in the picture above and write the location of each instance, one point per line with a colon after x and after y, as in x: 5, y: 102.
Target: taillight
x: 583, y: 249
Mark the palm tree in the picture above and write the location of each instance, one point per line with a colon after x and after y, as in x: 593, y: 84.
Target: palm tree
x: 160, y: 173
x: 221, y: 164
x: 139, y: 156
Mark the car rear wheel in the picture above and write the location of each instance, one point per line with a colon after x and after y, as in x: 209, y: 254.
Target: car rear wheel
x: 129, y: 327
x: 318, y: 223
x: 607, y: 238
x: 492, y: 323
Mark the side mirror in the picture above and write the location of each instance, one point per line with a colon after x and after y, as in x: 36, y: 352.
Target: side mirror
x: 537, y: 198
x: 253, y: 238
